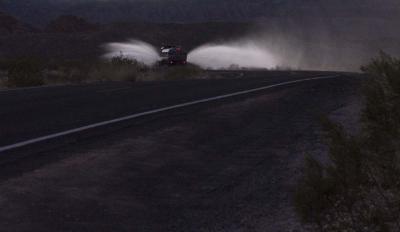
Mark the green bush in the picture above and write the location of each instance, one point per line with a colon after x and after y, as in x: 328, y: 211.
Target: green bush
x: 25, y: 72
x: 359, y: 189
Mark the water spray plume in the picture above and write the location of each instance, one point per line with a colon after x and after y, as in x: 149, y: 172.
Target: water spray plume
x: 209, y: 56
x: 235, y: 55
x: 134, y: 49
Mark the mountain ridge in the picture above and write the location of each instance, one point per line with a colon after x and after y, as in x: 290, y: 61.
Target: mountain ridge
x: 41, y: 12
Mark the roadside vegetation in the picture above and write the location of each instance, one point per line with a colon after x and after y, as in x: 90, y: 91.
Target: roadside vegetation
x: 25, y: 72
x: 183, y: 72
x: 359, y: 188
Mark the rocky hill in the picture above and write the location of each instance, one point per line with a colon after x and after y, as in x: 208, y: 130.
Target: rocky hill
x: 70, y: 24
x: 10, y: 25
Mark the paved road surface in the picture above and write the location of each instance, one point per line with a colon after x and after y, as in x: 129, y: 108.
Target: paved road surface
x: 31, y: 113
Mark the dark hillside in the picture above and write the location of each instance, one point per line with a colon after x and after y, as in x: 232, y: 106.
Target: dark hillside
x: 78, y: 39
x: 42, y: 11
x: 70, y: 24
x: 10, y: 25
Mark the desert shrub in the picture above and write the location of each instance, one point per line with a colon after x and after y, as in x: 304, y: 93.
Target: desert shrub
x: 25, y: 72
x: 121, y: 61
x: 68, y: 71
x: 5, y: 64
x: 182, y: 72
x: 119, y: 68
x: 359, y: 188
x: 78, y: 71
x: 29, y: 72
x: 110, y: 72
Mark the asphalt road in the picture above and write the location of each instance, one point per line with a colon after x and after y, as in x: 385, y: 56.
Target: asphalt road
x: 30, y: 113
x: 230, y: 166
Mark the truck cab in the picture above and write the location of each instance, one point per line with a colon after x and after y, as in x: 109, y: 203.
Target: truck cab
x: 173, y: 55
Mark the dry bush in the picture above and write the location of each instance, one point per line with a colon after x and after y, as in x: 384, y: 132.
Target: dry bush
x: 30, y: 72
x: 359, y: 189
x: 67, y: 71
x: 185, y: 72
x: 24, y: 72
x: 118, y: 69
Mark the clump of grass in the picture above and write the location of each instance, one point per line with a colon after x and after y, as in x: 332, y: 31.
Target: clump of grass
x: 68, y: 71
x: 32, y: 72
x: 186, y: 72
x: 25, y: 72
x: 359, y: 189
x: 118, y: 69
x: 3, y: 79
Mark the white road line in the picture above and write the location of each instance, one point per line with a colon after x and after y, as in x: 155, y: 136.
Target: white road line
x: 133, y: 116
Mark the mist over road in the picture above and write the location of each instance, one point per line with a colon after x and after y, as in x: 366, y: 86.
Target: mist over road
x: 221, y: 166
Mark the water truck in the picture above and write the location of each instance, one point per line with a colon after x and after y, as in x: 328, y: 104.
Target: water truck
x: 173, y: 55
